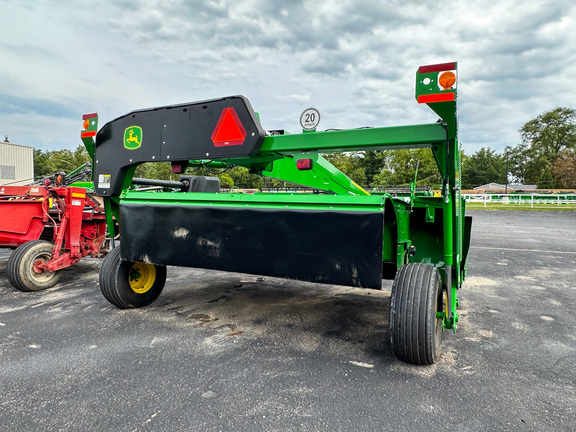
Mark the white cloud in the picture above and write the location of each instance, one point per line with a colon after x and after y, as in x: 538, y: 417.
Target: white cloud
x: 355, y: 60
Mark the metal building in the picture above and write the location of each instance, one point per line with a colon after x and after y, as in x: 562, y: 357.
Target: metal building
x: 16, y: 163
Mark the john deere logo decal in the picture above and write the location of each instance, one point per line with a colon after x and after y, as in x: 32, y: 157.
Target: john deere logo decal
x: 133, y: 137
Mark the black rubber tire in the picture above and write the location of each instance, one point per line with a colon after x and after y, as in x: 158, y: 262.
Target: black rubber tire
x: 114, y: 280
x: 415, y: 331
x: 20, y: 267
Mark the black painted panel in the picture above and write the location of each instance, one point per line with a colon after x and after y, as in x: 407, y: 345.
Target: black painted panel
x: 342, y: 248
x: 172, y: 133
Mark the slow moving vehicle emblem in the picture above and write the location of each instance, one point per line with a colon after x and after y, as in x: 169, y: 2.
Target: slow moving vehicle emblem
x: 229, y: 130
x: 132, y: 137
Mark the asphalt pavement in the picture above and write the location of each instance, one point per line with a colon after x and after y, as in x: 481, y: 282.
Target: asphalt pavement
x: 234, y: 352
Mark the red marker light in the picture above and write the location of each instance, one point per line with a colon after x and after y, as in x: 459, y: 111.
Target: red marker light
x: 304, y: 164
x: 439, y: 97
x: 229, y: 130
x: 437, y: 67
x: 179, y: 167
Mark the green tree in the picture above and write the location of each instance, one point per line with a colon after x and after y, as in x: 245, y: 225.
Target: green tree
x: 350, y: 164
x: 50, y: 162
x: 546, y: 181
x: 226, y: 181
x: 62, y: 161
x: 564, y: 170
x: 400, y: 168
x: 373, y: 163
x: 550, y: 133
x: 81, y: 156
x: 484, y: 166
x: 243, y: 179
x: 524, y: 164
x: 42, y: 163
x: 544, y: 139
x: 155, y: 170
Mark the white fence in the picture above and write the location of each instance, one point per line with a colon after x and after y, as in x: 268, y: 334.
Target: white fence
x: 521, y: 199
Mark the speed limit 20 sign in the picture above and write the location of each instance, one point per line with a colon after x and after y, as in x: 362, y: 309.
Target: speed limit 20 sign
x: 310, y: 118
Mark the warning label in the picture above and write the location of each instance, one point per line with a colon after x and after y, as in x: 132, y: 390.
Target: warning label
x: 104, y: 181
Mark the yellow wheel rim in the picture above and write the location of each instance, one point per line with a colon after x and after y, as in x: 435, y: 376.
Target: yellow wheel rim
x: 142, y: 277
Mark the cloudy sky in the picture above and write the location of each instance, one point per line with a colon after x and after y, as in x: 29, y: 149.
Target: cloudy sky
x: 354, y: 60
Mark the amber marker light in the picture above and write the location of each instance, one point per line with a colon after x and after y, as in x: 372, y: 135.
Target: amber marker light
x: 447, y: 80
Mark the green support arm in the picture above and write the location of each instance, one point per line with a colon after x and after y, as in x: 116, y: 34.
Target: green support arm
x: 384, y: 138
x: 277, y: 147
x: 436, y: 86
x: 319, y: 174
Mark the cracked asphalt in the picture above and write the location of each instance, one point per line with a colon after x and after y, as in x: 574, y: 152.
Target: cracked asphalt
x: 234, y: 352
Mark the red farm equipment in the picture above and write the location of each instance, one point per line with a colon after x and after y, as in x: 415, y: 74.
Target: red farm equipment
x: 51, y: 226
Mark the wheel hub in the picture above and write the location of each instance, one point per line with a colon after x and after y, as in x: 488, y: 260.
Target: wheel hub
x: 142, y: 277
x: 38, y: 266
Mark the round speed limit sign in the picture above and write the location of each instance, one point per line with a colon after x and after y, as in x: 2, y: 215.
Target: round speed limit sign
x: 310, y: 118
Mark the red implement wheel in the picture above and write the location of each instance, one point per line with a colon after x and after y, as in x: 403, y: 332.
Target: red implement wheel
x: 23, y: 266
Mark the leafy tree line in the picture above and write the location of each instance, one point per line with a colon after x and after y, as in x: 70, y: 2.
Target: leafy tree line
x: 53, y: 161
x: 546, y: 156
